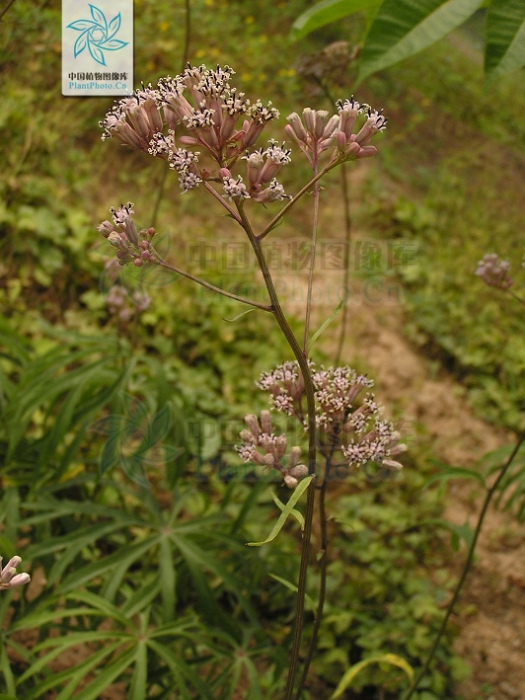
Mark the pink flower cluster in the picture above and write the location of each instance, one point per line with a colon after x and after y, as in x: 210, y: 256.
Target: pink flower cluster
x: 213, y: 116
x: 346, y: 425
x: 318, y: 131
x: 494, y: 272
x: 200, y: 109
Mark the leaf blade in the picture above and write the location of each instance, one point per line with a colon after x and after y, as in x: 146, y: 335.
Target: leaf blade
x: 403, y: 28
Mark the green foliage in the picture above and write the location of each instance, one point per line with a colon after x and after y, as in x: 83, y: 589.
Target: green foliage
x: 370, y: 574
x: 402, y: 28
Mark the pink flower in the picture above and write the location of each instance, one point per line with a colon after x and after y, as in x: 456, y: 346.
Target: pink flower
x: 8, y: 576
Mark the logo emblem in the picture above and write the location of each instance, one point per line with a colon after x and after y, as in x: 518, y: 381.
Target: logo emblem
x: 97, y: 35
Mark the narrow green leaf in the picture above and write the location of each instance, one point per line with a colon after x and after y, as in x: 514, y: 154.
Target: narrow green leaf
x: 243, y: 313
x: 326, y: 323
x: 110, y: 673
x: 5, y: 669
x: 402, y: 28
x: 139, y: 679
x: 74, y: 674
x: 128, y: 554
x: 325, y: 12
x: 167, y: 578
x: 178, y: 667
x: 505, y: 46
x: 292, y: 587
x: 296, y: 514
x: 205, y: 559
x: 301, y: 488
x: 351, y: 673
x: 448, y: 473
x: 459, y: 532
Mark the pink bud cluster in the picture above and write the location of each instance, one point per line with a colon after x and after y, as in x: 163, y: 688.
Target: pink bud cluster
x: 8, y: 576
x: 122, y: 234
x: 262, y: 446
x: 347, y: 424
x: 318, y: 131
x: 494, y: 272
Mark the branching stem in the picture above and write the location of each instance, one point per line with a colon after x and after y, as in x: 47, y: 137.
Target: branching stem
x: 208, y: 285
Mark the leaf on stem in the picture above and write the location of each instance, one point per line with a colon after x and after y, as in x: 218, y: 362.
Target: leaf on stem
x: 301, y: 488
x: 351, y: 673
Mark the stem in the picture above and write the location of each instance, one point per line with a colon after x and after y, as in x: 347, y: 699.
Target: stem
x: 466, y: 568
x: 322, y: 585
x: 231, y: 211
x: 522, y: 301
x: 302, y: 361
x: 312, y: 261
x: 346, y: 262
x: 273, y: 223
x: 6, y: 8
x: 208, y: 285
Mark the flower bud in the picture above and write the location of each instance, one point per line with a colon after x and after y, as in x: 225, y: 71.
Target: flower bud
x: 290, y: 481
x: 299, y: 472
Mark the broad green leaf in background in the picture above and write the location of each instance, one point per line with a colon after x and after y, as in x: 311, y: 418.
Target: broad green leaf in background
x: 505, y: 47
x: 402, y: 28
x: 351, y: 673
x: 325, y: 12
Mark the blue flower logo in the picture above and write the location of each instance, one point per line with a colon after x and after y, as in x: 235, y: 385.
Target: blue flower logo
x: 97, y: 35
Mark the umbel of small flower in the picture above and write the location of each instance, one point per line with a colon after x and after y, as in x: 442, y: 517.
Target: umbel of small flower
x: 199, y: 109
x: 494, y: 272
x: 347, y: 423
x: 8, y: 576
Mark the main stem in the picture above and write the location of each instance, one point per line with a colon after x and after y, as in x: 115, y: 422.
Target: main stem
x: 322, y: 584
x: 411, y: 690
x: 302, y: 361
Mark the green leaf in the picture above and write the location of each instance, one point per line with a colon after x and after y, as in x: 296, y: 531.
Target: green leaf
x: 326, y: 12
x: 243, y: 313
x: 167, y: 574
x: 505, y: 46
x: 459, y: 532
x: 292, y: 587
x: 326, y: 323
x: 138, y: 686
x: 110, y: 673
x: 351, y: 673
x: 296, y: 514
x: 402, y: 28
x: 178, y: 669
x: 447, y: 473
x: 301, y: 488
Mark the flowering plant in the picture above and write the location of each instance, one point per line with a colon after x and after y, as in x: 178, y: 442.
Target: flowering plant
x: 199, y: 109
